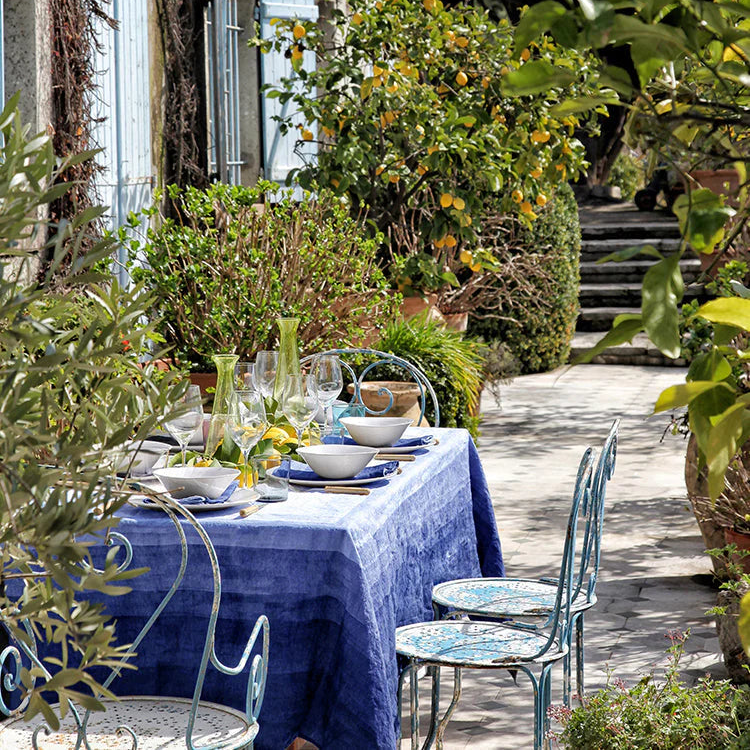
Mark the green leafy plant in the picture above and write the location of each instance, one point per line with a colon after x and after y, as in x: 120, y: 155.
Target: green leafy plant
x: 228, y: 268
x: 73, y: 393
x: 453, y: 365
x: 537, y: 309
x: 667, y: 715
x: 411, y: 106
x: 628, y: 174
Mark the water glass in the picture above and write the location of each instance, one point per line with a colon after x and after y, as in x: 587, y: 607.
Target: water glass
x: 270, y: 486
x: 186, y: 418
x: 264, y: 373
x: 246, y: 421
x: 299, y: 402
x: 328, y: 383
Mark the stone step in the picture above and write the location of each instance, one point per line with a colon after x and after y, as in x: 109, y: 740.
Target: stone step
x: 638, y: 352
x: 627, y: 294
x: 631, y: 271
x: 646, y: 228
x: 600, y: 318
x: 593, y: 250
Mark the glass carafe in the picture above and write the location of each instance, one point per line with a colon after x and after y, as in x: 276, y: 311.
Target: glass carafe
x: 224, y: 387
x: 288, y: 355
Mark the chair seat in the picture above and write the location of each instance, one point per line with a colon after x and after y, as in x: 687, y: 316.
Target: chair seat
x: 472, y: 644
x: 159, y: 723
x: 503, y: 597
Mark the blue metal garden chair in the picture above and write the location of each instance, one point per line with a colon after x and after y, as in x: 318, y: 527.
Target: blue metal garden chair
x: 531, y: 598
x: 461, y: 643
x: 149, y: 721
x: 376, y: 359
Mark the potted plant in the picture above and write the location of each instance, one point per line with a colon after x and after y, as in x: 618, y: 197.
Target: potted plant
x: 223, y: 273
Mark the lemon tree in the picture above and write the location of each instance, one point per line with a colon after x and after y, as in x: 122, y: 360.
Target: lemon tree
x: 423, y: 110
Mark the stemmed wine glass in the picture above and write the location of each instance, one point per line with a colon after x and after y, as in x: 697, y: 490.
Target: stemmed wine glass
x: 246, y: 421
x: 328, y: 382
x: 187, y: 417
x: 299, y: 402
x: 244, y: 375
x: 264, y: 374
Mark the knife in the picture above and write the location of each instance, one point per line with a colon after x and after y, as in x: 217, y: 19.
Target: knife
x: 396, y: 457
x: 250, y: 510
x: 346, y: 489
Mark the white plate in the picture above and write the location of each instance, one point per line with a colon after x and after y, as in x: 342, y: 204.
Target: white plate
x: 240, y: 497
x: 361, y: 481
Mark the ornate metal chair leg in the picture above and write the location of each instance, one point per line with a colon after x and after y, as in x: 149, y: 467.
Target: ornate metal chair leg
x: 414, y: 705
x: 546, y: 694
x: 580, y: 657
x: 400, y: 705
x: 434, y: 707
x: 567, y: 669
x: 448, y: 712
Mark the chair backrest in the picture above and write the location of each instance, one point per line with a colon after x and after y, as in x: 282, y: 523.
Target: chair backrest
x: 179, y: 515
x: 593, y: 510
x: 372, y: 359
x: 559, y: 620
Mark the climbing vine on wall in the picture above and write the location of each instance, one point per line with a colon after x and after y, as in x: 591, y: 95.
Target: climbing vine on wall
x: 184, y: 135
x: 75, y: 29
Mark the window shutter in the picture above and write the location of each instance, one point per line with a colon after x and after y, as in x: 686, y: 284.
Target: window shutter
x: 279, y: 154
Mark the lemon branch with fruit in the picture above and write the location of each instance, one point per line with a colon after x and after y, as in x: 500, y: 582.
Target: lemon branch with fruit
x: 410, y: 100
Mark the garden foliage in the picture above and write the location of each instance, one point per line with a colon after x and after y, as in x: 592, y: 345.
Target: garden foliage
x: 72, y: 393
x: 224, y: 271
x: 537, y: 320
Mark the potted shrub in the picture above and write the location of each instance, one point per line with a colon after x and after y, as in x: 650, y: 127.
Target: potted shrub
x: 223, y: 273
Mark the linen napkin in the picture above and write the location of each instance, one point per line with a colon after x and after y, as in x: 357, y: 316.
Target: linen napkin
x: 422, y: 440
x: 301, y: 472
x: 202, y: 499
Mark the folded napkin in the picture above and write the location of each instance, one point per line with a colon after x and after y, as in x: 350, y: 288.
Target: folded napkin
x: 202, y: 499
x: 423, y: 440
x: 301, y: 472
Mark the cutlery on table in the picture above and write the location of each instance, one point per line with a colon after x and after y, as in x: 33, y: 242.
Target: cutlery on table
x: 396, y: 457
x: 250, y: 510
x: 346, y: 489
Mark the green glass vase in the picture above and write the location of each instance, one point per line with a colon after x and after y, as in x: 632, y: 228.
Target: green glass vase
x: 224, y: 387
x: 288, y: 363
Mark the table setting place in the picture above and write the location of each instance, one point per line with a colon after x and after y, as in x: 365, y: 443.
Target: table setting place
x: 273, y: 430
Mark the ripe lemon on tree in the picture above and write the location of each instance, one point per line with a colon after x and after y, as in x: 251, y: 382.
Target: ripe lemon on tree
x: 446, y: 200
x: 298, y: 31
x: 459, y: 203
x: 461, y: 78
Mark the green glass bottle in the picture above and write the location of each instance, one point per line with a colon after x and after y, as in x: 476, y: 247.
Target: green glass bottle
x: 224, y: 387
x: 288, y: 363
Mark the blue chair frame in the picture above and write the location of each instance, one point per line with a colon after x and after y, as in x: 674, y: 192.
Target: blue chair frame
x: 510, y: 598
x: 383, y: 358
x: 11, y: 658
x: 465, y: 644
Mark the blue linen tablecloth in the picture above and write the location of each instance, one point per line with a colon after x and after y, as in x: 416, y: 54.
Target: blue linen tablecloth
x: 335, y: 574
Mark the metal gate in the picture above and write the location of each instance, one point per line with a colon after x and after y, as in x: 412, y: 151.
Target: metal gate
x: 124, y: 108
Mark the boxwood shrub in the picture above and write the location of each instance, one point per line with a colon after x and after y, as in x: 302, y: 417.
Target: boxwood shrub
x: 541, y: 333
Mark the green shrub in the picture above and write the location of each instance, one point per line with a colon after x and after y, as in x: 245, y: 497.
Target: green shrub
x: 544, y: 309
x: 628, y: 174
x: 671, y: 715
x: 453, y: 364
x: 225, y: 272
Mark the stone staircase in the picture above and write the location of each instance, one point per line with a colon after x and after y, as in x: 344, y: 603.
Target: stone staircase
x: 609, y: 289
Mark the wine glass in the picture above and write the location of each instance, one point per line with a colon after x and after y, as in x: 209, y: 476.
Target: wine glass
x: 244, y: 375
x: 246, y: 421
x: 299, y: 402
x: 328, y: 382
x: 186, y: 418
x: 264, y: 374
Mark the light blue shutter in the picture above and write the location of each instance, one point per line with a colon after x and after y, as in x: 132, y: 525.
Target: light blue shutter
x: 124, y: 105
x: 279, y: 153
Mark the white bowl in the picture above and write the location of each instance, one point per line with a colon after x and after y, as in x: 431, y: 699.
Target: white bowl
x: 335, y: 461
x: 139, y: 457
x: 376, y: 431
x: 209, y: 482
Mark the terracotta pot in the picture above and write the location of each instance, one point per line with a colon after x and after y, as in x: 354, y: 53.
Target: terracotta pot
x: 725, y: 181
x: 735, y: 658
x: 406, y: 401
x: 742, y: 541
x: 413, y: 306
x: 205, y: 381
x: 697, y: 489
x: 456, y: 321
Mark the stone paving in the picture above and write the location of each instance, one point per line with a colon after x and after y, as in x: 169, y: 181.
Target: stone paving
x: 654, y: 572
